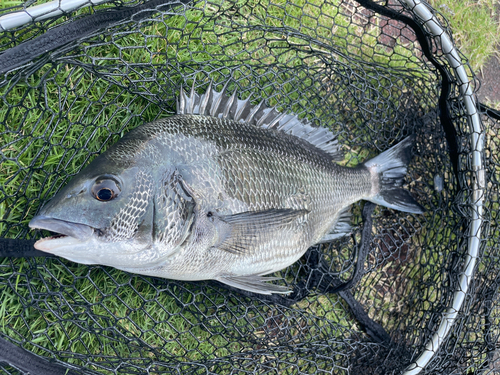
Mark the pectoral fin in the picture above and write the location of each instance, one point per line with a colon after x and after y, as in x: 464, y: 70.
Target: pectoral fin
x: 244, y: 230
x: 255, y: 284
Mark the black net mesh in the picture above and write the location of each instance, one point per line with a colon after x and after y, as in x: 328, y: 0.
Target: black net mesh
x: 345, y: 65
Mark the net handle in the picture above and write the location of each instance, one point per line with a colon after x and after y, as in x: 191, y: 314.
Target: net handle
x: 432, y: 25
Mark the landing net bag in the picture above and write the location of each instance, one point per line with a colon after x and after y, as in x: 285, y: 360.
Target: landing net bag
x: 76, y: 76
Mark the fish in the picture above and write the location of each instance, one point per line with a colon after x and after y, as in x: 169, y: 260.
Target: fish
x: 223, y: 190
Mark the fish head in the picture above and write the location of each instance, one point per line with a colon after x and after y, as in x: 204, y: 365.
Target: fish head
x: 104, y: 215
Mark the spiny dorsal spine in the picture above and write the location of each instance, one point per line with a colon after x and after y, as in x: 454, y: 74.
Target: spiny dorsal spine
x: 218, y: 104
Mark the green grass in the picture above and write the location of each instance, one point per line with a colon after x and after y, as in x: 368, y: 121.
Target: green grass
x: 42, y: 151
x: 475, y: 26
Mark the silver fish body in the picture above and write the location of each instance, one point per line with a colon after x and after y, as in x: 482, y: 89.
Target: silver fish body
x: 224, y: 190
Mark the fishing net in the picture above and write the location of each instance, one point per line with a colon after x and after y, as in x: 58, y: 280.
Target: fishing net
x: 402, y: 293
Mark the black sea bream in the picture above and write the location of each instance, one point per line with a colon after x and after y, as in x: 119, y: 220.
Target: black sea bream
x: 223, y: 190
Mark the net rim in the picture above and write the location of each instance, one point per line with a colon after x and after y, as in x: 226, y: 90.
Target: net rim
x: 43, y: 11
x: 451, y: 53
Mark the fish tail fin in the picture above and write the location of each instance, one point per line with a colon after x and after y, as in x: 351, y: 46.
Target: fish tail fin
x: 388, y: 170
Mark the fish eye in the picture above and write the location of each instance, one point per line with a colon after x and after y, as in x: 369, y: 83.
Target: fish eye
x: 105, y: 189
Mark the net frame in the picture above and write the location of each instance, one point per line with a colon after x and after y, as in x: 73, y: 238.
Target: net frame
x: 432, y: 24
x: 43, y: 11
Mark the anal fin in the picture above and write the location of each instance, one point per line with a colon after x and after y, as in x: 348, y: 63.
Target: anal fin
x: 255, y: 284
x: 341, y: 228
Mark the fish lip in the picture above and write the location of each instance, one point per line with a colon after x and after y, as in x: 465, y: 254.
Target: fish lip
x: 81, y: 232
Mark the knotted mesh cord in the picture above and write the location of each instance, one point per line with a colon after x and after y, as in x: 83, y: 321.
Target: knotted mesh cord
x: 338, y: 64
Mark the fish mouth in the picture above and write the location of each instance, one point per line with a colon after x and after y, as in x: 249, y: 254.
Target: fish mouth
x: 66, y: 232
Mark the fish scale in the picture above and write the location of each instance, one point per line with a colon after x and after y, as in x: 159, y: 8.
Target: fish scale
x: 238, y: 191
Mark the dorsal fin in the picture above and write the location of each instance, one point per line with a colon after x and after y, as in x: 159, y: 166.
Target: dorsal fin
x: 218, y: 104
